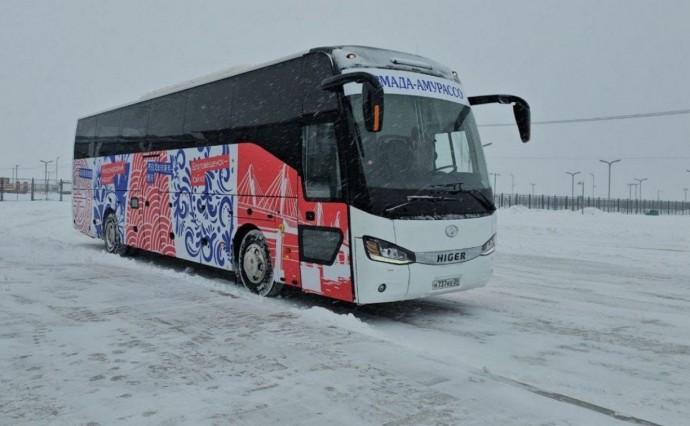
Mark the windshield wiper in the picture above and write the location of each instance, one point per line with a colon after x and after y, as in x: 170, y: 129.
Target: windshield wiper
x: 456, y: 188
x: 481, y: 198
x: 413, y: 198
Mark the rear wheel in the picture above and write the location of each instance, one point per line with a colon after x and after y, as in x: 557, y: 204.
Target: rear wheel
x: 254, y: 265
x: 111, y: 236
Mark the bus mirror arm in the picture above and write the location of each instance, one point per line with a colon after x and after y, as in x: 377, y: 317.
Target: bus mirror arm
x: 521, y: 110
x: 372, y: 96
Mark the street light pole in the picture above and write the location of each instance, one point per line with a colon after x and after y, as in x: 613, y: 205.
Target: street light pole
x: 46, y: 174
x: 610, y: 163
x: 16, y: 174
x: 56, y: 170
x: 495, y: 174
x: 572, y: 183
x: 512, y: 184
x: 535, y: 184
x: 640, y: 182
x: 592, y: 174
x: 658, y: 194
x: 583, y: 196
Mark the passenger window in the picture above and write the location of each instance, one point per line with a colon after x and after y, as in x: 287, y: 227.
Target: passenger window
x: 320, y: 162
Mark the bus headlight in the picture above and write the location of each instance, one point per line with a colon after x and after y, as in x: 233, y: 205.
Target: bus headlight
x: 383, y: 251
x: 489, y: 246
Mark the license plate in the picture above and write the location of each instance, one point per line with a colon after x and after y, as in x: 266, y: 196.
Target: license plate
x: 445, y: 283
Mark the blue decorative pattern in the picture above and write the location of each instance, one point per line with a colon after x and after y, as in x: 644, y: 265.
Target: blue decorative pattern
x: 111, y: 196
x: 203, y: 213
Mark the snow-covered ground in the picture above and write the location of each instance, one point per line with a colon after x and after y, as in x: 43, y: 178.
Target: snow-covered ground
x: 586, y: 321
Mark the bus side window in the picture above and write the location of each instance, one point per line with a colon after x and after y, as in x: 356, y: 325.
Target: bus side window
x: 107, y: 133
x: 86, y: 131
x: 320, y: 161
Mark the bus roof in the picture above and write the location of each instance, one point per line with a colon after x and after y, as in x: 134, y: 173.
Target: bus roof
x: 345, y: 57
x: 342, y: 57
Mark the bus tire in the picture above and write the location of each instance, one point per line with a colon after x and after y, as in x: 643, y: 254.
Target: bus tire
x: 111, y: 236
x: 254, y: 265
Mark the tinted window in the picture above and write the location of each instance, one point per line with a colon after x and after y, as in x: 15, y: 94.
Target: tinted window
x: 319, y: 244
x: 321, y: 166
x: 167, y: 116
x: 208, y: 109
x: 316, y: 68
x: 109, y: 124
x: 107, y: 133
x: 269, y: 95
x: 134, y: 121
x: 86, y: 130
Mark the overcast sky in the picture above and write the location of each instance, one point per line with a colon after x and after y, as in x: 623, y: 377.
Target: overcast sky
x: 65, y: 59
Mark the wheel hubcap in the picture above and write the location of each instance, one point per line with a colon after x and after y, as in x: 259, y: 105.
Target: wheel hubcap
x: 254, y: 264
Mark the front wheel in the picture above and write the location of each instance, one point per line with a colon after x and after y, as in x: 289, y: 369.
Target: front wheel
x: 254, y: 265
x: 111, y: 236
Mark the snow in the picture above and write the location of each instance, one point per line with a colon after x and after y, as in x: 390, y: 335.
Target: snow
x: 584, y: 322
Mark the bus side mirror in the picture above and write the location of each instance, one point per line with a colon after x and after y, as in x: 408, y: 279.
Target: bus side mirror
x: 372, y: 96
x: 521, y: 110
x: 523, y: 118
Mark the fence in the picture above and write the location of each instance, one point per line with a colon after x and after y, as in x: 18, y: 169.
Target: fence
x: 41, y: 189
x: 33, y: 189
x: 617, y: 205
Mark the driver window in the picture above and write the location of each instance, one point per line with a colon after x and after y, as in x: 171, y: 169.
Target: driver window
x: 453, y: 155
x: 444, y: 156
x: 320, y: 162
x: 462, y: 152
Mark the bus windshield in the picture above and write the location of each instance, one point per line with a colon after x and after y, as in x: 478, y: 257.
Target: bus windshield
x: 426, y: 147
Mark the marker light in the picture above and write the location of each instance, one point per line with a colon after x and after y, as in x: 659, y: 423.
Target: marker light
x: 489, y: 246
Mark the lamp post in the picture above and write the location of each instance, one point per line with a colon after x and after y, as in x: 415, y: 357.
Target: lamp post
x: 16, y: 174
x: 592, y: 174
x: 583, y: 196
x: 640, y: 182
x: 535, y: 184
x: 572, y: 183
x: 56, y: 170
x: 658, y: 194
x: 46, y: 174
x: 494, y: 175
x: 512, y: 184
x: 610, y: 163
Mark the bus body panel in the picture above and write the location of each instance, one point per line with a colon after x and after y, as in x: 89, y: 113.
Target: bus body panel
x: 190, y: 203
x: 417, y: 280
x: 331, y: 279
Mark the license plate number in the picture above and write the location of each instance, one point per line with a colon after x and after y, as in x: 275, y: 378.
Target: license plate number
x: 445, y: 283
